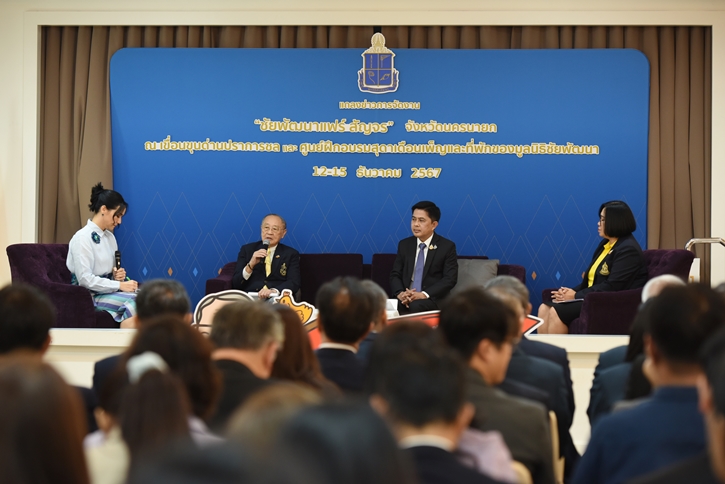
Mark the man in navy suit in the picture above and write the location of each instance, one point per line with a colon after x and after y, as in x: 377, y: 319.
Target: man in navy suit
x: 666, y: 428
x: 418, y: 384
x: 426, y: 267
x: 345, y: 317
x: 267, y: 267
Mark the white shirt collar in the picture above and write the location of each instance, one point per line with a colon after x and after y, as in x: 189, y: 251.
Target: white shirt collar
x: 427, y: 241
x: 94, y: 226
x: 424, y: 440
x: 337, y: 346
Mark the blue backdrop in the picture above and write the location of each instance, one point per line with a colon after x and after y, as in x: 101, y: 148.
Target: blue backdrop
x: 197, y: 192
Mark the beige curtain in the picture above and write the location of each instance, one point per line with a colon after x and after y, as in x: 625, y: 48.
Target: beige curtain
x: 75, y: 131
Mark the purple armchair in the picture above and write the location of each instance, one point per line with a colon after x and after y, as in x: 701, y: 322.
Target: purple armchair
x: 43, y: 266
x: 613, y: 312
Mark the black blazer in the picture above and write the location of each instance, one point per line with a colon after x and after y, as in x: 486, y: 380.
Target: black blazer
x: 343, y: 368
x: 238, y: 383
x: 285, y: 269
x: 437, y: 466
x: 440, y: 273
x: 623, y: 268
x: 556, y: 355
x: 102, y: 370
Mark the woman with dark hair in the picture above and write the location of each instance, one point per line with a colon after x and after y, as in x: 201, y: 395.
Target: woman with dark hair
x: 91, y: 257
x: 144, y: 409
x: 42, y: 425
x: 617, y: 264
x: 297, y: 361
x: 188, y: 356
x: 342, y: 442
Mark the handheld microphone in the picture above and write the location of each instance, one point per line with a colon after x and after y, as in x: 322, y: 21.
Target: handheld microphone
x: 118, y: 259
x: 265, y: 243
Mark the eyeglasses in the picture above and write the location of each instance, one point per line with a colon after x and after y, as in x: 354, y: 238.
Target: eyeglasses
x: 274, y: 229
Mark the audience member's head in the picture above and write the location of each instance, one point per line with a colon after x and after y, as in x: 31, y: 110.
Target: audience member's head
x: 418, y: 383
x: 256, y: 424
x: 154, y: 411
x: 42, y: 424
x: 655, y: 285
x: 250, y: 332
x: 297, y: 361
x: 345, y: 311
x: 515, y: 286
x: 26, y: 316
x: 681, y: 320
x: 187, y: 354
x: 343, y: 442
x: 159, y: 297
x: 711, y: 389
x: 482, y: 329
x: 379, y: 300
x: 510, y: 298
x: 219, y: 464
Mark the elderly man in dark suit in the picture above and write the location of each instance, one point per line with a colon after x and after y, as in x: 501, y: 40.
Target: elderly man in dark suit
x: 267, y: 267
x: 247, y: 336
x: 426, y: 267
x: 484, y: 331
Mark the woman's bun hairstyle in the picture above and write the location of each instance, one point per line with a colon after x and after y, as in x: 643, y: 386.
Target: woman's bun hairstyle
x: 110, y: 198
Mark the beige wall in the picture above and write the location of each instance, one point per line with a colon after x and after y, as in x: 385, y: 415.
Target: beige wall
x: 19, y: 21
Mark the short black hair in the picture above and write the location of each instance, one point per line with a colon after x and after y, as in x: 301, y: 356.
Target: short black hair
x: 682, y: 318
x: 473, y: 315
x: 110, y: 198
x: 345, y: 310
x: 618, y: 219
x: 420, y: 378
x: 342, y: 442
x: 162, y: 296
x: 430, y: 208
x: 713, y: 363
x: 26, y: 316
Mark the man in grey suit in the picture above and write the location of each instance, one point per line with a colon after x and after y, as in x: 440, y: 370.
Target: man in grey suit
x: 483, y: 330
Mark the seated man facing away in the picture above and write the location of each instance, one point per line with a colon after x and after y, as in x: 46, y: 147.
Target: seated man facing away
x: 418, y: 385
x: 246, y: 336
x: 345, y: 317
x: 709, y: 466
x: 380, y: 318
x: 483, y: 331
x: 158, y: 297
x: 26, y: 316
x: 544, y: 375
x: 666, y: 428
x: 268, y: 267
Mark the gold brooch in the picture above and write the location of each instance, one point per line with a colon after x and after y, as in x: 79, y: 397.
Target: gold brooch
x: 283, y: 269
x: 432, y: 247
x: 605, y: 270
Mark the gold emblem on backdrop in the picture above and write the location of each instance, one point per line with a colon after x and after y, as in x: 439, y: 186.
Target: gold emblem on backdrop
x: 378, y: 74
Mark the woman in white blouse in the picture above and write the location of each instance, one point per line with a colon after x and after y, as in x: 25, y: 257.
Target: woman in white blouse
x: 91, y: 258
